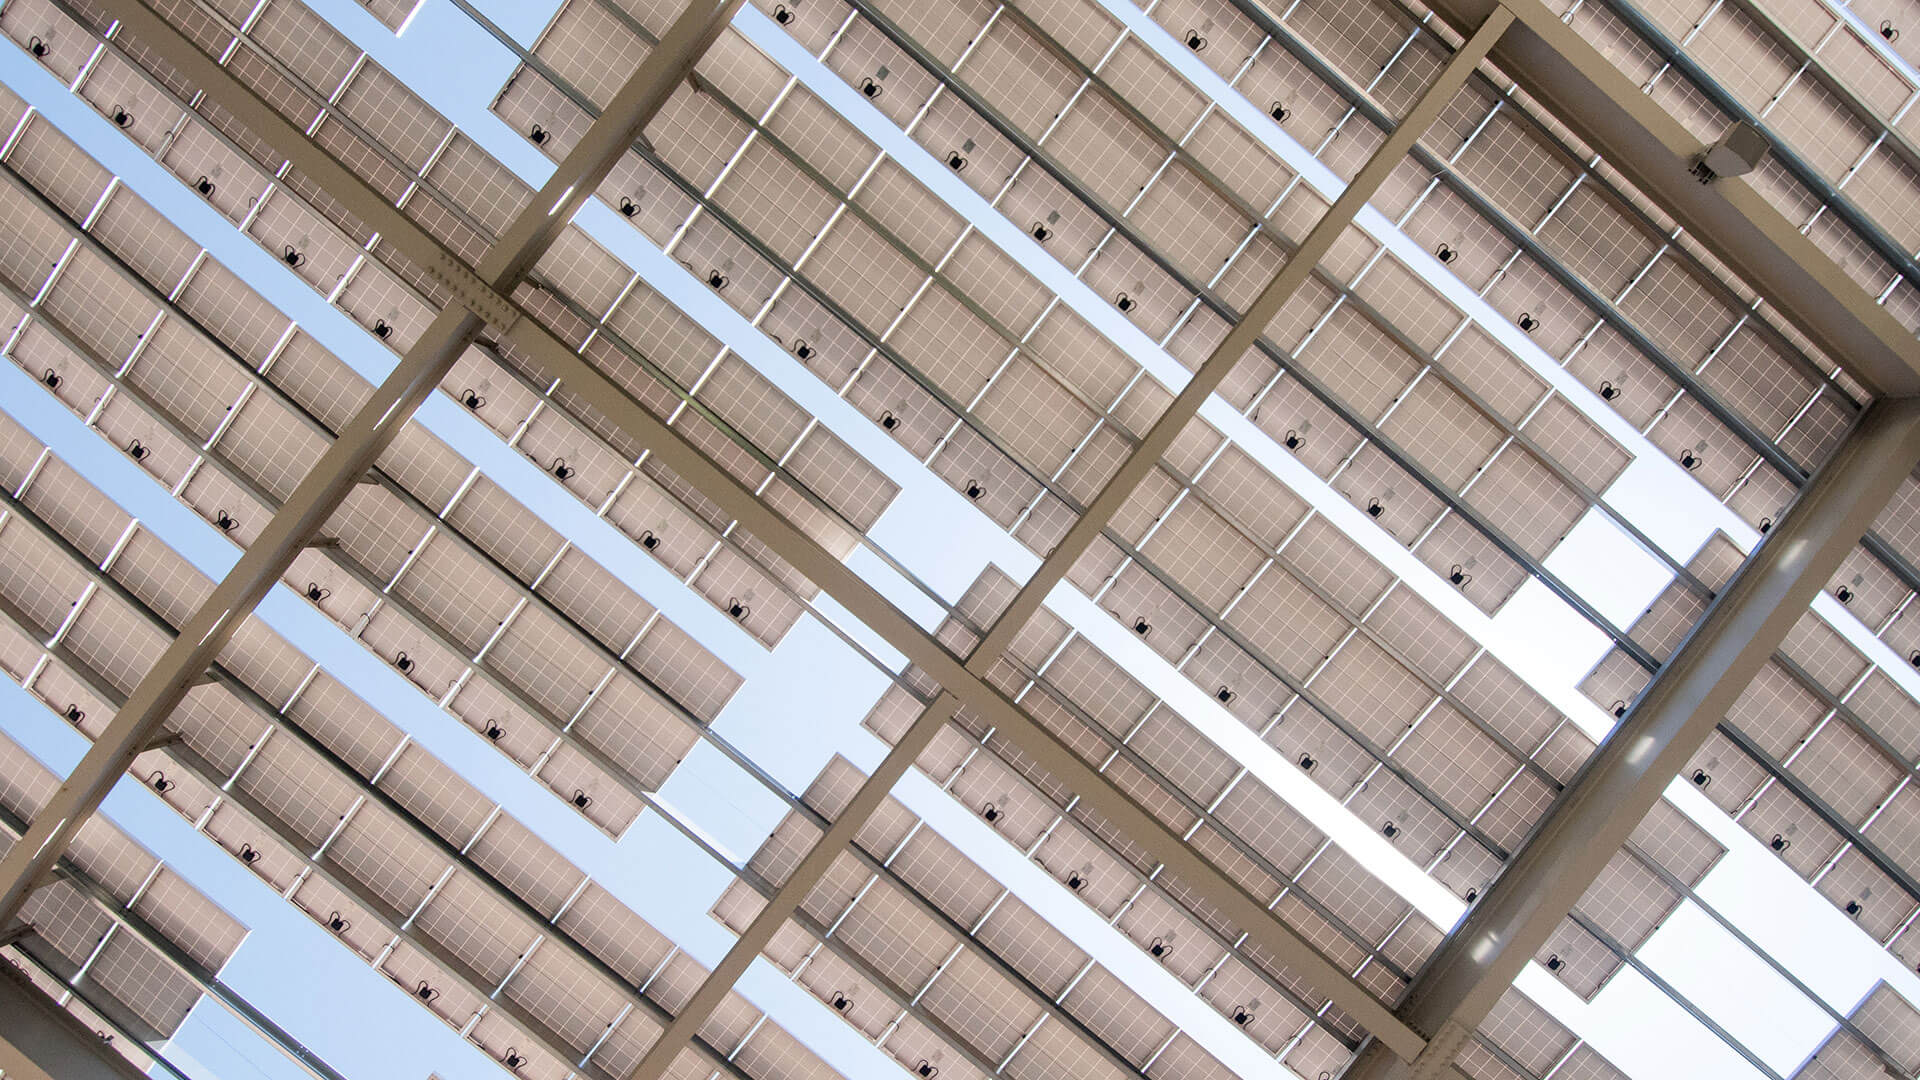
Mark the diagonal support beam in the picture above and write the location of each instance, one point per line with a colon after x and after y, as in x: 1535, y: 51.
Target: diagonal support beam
x: 1665, y: 727
x: 1582, y: 89
x: 479, y: 301
x: 1088, y: 527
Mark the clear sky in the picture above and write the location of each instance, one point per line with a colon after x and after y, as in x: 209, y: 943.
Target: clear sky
x: 946, y: 543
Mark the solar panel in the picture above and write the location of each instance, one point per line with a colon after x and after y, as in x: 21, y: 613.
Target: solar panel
x: 1017, y: 361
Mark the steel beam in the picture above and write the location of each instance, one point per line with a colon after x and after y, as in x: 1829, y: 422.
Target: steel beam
x: 1583, y: 90
x: 479, y: 300
x: 1085, y: 529
x: 42, y: 1041
x: 1663, y: 729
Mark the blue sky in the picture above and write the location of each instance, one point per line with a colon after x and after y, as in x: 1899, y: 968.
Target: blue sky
x: 803, y: 701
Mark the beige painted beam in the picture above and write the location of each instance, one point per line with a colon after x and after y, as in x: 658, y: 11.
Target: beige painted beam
x: 1664, y: 728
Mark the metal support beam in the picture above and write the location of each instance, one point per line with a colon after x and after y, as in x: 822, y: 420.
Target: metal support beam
x: 1088, y: 527
x: 480, y: 299
x: 1584, y: 90
x: 42, y: 1041
x: 1665, y: 727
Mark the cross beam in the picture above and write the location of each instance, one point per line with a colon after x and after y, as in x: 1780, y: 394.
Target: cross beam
x: 1664, y: 728
x: 1112, y: 496
x: 479, y: 300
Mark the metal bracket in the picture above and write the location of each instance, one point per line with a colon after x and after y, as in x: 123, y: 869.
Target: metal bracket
x: 470, y: 292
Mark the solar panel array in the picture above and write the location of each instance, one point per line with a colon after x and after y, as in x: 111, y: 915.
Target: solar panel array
x: 997, y: 232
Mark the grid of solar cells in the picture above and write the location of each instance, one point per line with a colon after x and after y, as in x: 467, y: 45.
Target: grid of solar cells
x: 1816, y: 81
x: 978, y: 964
x: 1878, y: 1037
x: 1815, y: 758
x: 1118, y: 727
x: 390, y: 573
x: 1632, y: 898
x: 1574, y: 235
x: 897, y: 423
x: 107, y: 1022
x: 580, y: 285
x: 1736, y: 350
x: 175, y: 588
x: 1295, y: 206
x: 1679, y: 623
x: 350, y: 919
